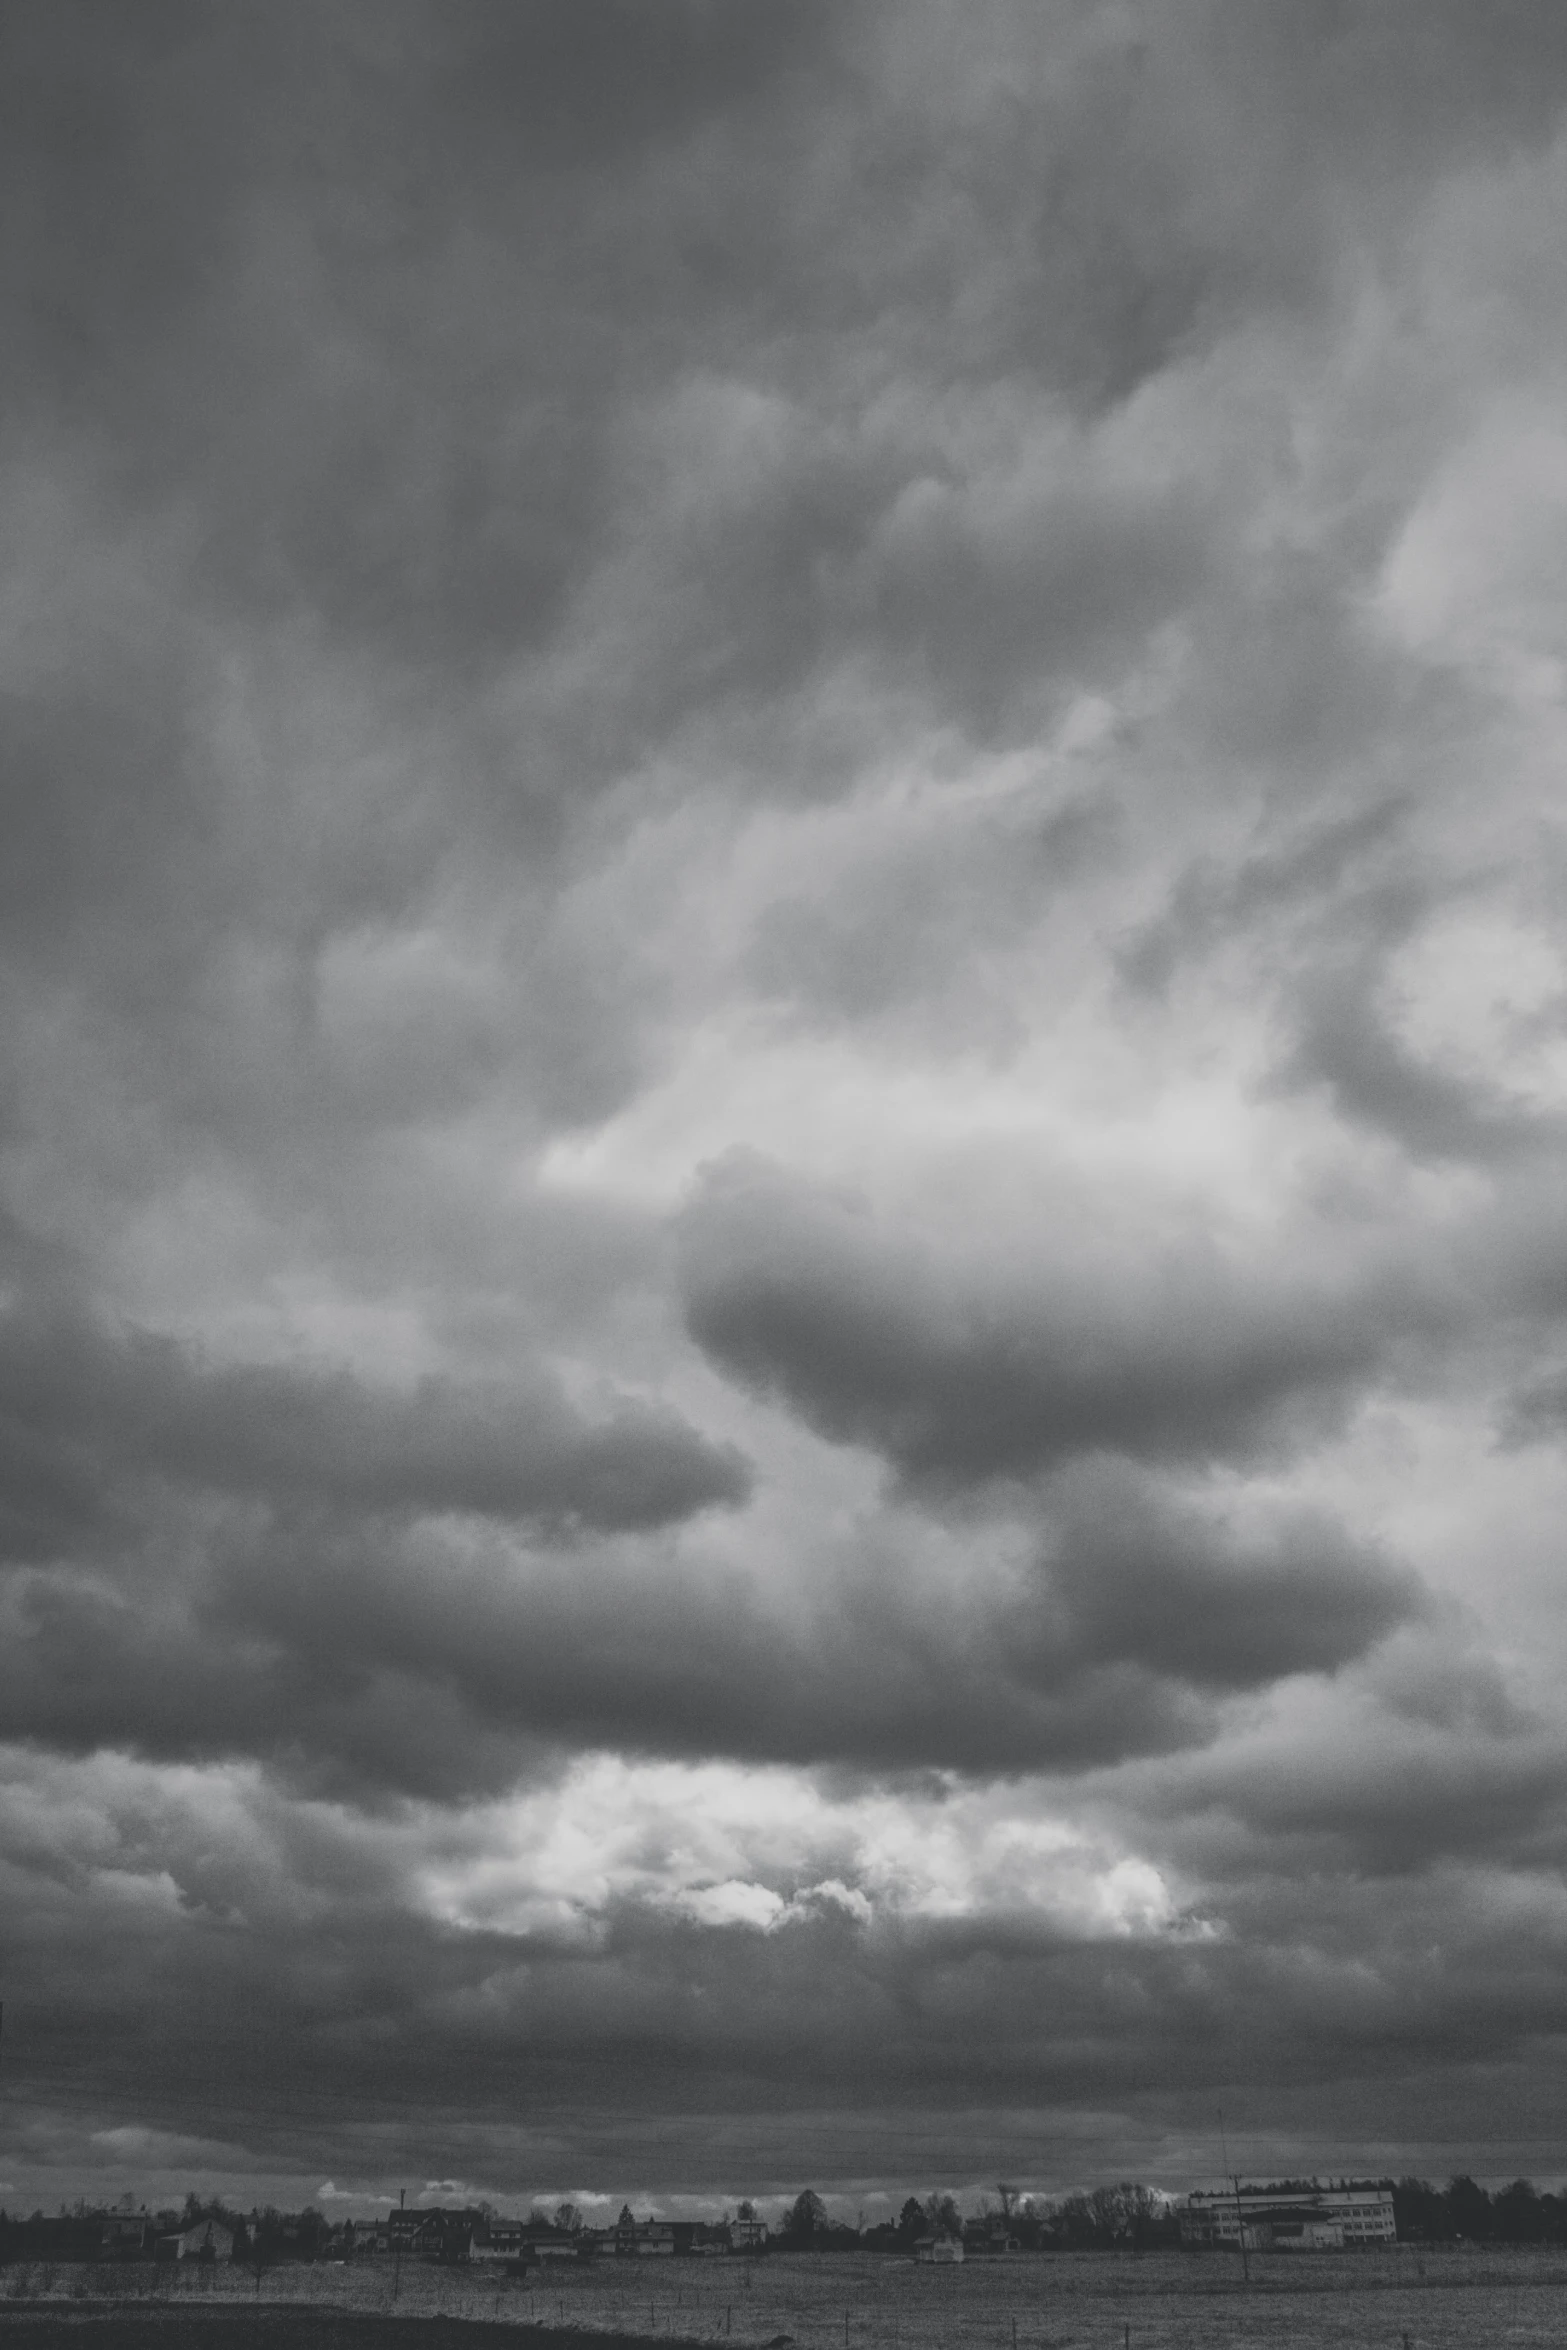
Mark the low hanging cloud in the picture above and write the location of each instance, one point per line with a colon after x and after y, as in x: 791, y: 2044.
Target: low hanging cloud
x: 217, y: 1899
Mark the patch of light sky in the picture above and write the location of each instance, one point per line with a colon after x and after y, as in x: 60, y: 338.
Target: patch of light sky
x: 728, y: 1845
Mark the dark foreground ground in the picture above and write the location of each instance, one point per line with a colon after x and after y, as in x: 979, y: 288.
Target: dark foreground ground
x: 56, y: 2326
x: 1403, y: 2299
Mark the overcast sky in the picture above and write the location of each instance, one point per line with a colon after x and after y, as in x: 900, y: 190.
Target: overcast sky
x: 783, y: 1093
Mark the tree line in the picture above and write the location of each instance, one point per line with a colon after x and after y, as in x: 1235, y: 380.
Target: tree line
x: 1125, y: 2216
x: 1465, y: 2212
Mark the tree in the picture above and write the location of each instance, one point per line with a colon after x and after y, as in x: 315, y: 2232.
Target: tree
x: 943, y: 2215
x: 1420, y: 2213
x: 1074, y: 2221
x: 1519, y: 2213
x: 746, y: 2211
x: 911, y: 2219
x: 568, y: 2219
x: 1470, y: 2209
x: 259, y: 2252
x: 1125, y: 2213
x: 1026, y: 2224
x: 807, y: 2215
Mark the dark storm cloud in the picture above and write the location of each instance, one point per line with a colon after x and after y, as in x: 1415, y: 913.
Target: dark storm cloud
x: 137, y: 146
x: 527, y: 241
x: 1154, y: 1585
x: 88, y: 1415
x: 1427, y: 1766
x: 519, y: 238
x: 316, y: 322
x: 432, y: 2035
x: 959, y: 1372
x: 1394, y: 1799
x: 1135, y: 1618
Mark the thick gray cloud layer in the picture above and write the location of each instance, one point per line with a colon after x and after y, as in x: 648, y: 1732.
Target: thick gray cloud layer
x: 781, y: 1087
x: 976, y: 1370
x: 90, y: 1415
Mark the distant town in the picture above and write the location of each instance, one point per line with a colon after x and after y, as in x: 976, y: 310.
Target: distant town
x: 1279, y: 2216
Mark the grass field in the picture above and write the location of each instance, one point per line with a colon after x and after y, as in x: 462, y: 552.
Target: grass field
x: 1459, y: 2300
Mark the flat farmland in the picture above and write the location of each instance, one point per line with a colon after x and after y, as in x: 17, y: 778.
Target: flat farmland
x: 1403, y: 2300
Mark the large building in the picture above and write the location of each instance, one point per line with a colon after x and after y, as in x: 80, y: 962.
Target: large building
x: 1289, y: 2219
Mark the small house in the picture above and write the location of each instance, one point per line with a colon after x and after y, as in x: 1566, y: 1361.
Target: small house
x: 938, y: 2251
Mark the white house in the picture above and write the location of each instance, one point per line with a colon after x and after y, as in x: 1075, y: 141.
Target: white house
x: 939, y: 2251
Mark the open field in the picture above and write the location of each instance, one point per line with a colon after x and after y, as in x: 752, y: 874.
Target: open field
x: 1448, y: 2300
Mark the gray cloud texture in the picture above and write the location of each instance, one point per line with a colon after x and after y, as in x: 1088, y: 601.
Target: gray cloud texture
x: 781, y: 1089
x: 89, y: 1412
x: 972, y: 1371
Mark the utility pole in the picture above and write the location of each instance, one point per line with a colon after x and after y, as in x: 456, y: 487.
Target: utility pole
x: 1240, y: 2217
x: 397, y: 2246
